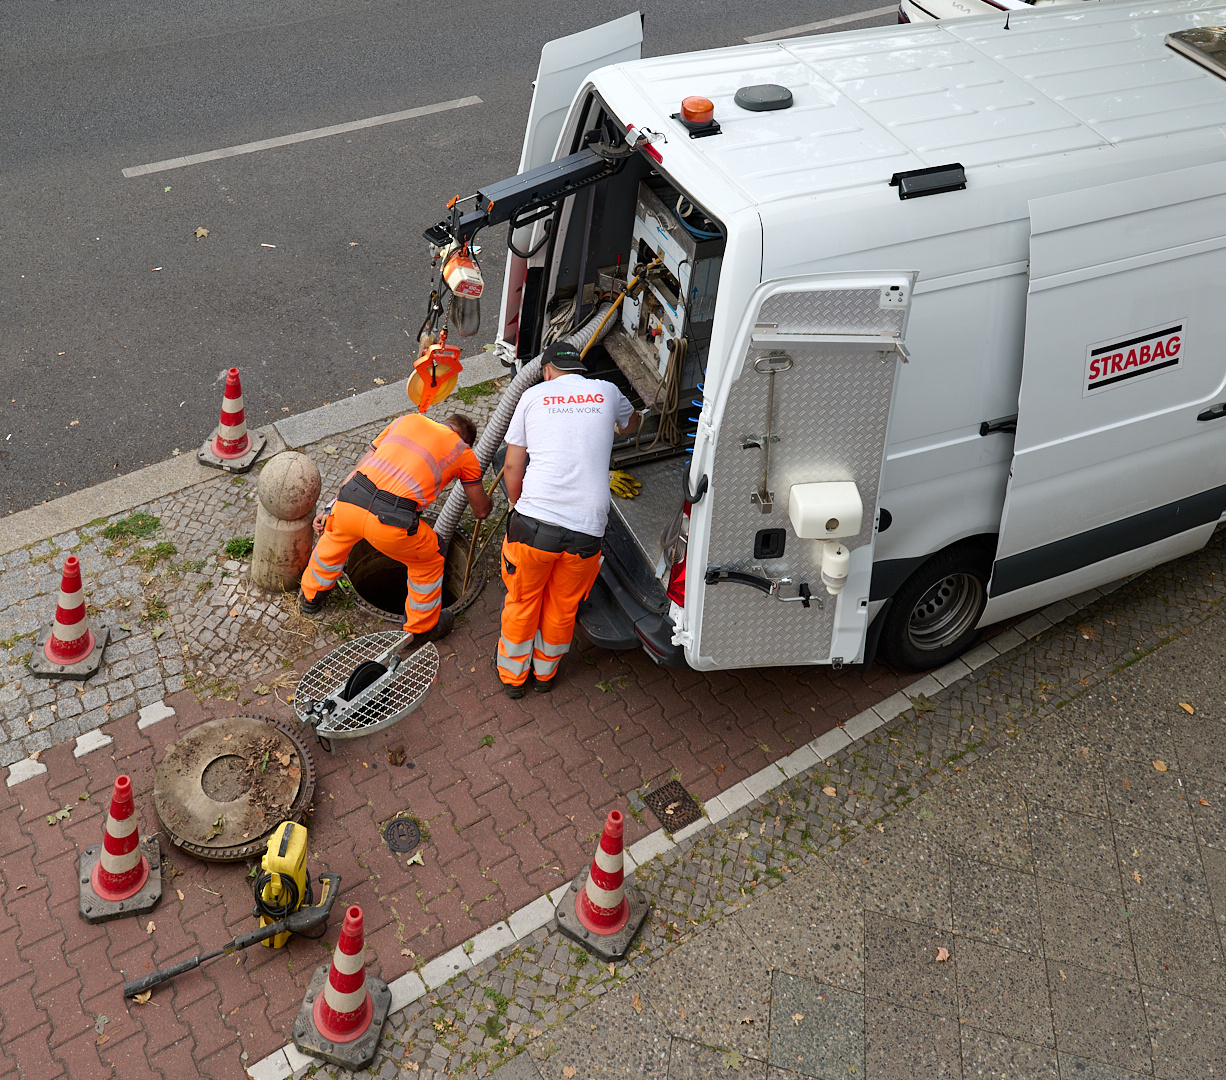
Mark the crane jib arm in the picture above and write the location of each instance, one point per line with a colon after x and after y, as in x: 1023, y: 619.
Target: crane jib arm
x: 520, y: 195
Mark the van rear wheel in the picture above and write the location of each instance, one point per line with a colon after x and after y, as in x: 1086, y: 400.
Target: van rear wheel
x: 933, y: 617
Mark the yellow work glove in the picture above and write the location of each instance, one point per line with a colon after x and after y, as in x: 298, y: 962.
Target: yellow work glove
x: 622, y: 484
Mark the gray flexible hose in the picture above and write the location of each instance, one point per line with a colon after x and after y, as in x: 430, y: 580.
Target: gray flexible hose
x: 491, y: 438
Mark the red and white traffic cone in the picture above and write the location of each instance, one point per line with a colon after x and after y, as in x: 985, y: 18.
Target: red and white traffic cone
x: 343, y: 1013
x: 601, y: 904
x: 123, y: 868
x: 231, y: 439
x: 231, y: 446
x: 122, y: 875
x: 69, y: 648
x: 599, y: 910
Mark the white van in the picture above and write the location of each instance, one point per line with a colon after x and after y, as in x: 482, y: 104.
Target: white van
x: 939, y: 309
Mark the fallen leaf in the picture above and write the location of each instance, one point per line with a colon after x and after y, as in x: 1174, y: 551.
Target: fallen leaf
x: 150, y: 928
x: 636, y: 1003
x: 395, y: 756
x: 100, y: 1023
x: 1136, y: 876
x: 829, y: 790
x: 415, y: 859
x: 604, y: 686
x: 923, y: 703
x: 331, y: 449
x: 216, y: 829
x: 1127, y: 784
x: 1062, y: 975
x: 1187, y: 708
x: 406, y: 952
x: 34, y: 756
x: 83, y: 796
x: 612, y: 970
x: 201, y: 232
x: 1087, y: 632
x: 379, y: 382
x: 285, y: 759
x: 228, y: 737
x: 412, y: 1066
x: 73, y: 423
x: 180, y: 892
x: 747, y: 1020
x: 1203, y: 802
x: 143, y: 997
x: 569, y: 1071
x: 534, y: 1033
x: 742, y: 835
x: 797, y: 1018
x: 158, y: 633
x: 1160, y: 766
x: 101, y: 1039
x: 732, y: 1060
x: 942, y: 954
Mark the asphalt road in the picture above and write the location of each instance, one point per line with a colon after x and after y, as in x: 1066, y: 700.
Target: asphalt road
x: 117, y: 324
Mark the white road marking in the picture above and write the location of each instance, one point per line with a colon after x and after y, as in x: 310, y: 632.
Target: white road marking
x: 808, y: 28
x: 301, y: 136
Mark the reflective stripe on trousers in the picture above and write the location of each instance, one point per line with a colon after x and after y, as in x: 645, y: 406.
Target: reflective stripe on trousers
x: 346, y: 525
x: 538, y: 616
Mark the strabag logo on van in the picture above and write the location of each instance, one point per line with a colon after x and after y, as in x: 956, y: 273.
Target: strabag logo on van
x: 1139, y: 355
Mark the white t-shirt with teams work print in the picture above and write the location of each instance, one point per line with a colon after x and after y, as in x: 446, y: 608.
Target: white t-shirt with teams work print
x: 567, y: 425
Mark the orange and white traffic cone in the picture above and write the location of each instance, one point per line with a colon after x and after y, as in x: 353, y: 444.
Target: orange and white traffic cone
x: 231, y: 446
x: 599, y: 910
x: 117, y: 876
x: 70, y: 650
x: 343, y: 1013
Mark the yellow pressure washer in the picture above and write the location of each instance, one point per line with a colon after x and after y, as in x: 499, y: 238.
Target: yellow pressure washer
x: 282, y: 886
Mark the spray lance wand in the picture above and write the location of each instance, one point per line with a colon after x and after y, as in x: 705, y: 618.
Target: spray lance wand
x: 299, y: 922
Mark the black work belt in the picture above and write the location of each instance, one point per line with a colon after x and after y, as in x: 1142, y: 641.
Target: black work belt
x: 522, y: 529
x: 388, y: 508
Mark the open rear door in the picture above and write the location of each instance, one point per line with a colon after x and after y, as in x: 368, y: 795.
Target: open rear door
x: 1120, y: 454
x: 565, y: 65
x: 805, y: 401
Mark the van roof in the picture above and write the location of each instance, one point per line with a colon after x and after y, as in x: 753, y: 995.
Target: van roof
x: 874, y: 102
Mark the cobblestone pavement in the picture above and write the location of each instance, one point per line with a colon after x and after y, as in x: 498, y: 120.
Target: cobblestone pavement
x: 512, y: 794
x: 1021, y: 876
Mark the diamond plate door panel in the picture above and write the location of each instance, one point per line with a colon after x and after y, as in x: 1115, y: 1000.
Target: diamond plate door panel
x: 832, y: 311
x: 830, y: 416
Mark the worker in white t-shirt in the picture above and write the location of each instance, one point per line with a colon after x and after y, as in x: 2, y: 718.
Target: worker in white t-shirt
x: 557, y: 477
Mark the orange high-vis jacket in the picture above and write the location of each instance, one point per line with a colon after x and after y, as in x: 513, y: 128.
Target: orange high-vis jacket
x: 415, y: 458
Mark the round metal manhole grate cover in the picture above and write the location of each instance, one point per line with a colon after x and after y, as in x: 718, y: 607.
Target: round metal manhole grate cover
x: 402, y: 835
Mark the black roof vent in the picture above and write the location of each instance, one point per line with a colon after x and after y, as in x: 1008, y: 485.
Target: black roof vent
x: 934, y: 181
x: 765, y: 97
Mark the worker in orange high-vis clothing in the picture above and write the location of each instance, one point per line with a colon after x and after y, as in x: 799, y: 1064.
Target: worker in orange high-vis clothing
x: 410, y: 462
x: 557, y: 477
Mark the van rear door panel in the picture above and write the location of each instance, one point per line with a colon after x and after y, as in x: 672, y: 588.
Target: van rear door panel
x: 833, y: 343
x: 1125, y: 333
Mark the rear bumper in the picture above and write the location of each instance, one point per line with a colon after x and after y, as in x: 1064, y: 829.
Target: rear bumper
x: 613, y: 619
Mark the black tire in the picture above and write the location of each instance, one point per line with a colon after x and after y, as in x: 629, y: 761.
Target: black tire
x: 933, y: 617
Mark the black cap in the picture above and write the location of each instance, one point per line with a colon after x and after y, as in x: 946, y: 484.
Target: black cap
x: 564, y: 357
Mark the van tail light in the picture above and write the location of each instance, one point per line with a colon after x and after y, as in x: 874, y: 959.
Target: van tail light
x: 676, y: 572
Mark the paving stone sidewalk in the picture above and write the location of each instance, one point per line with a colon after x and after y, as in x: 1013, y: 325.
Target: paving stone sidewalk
x: 1023, y: 876
x: 513, y: 794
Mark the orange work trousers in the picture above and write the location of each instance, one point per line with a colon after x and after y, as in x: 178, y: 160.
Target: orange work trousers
x: 345, y: 526
x: 538, y: 617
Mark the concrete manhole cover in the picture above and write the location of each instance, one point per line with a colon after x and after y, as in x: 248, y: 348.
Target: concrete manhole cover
x: 673, y: 806
x: 402, y: 835
x: 227, y: 784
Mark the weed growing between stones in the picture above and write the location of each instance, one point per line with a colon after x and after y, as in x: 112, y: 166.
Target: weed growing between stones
x: 239, y: 547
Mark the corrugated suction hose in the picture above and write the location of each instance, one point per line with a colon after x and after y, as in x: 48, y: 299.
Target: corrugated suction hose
x: 491, y: 438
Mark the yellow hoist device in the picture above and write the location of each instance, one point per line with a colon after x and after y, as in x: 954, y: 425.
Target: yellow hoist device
x: 282, y: 886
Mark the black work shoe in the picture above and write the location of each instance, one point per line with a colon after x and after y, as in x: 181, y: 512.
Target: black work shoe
x: 513, y: 692
x: 542, y: 686
x: 444, y: 626
x: 313, y: 607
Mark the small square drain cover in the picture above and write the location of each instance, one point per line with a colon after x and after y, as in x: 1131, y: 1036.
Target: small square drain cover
x: 402, y: 834
x: 673, y: 806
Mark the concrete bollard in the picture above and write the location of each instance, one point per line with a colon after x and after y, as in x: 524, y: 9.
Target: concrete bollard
x: 288, y: 490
